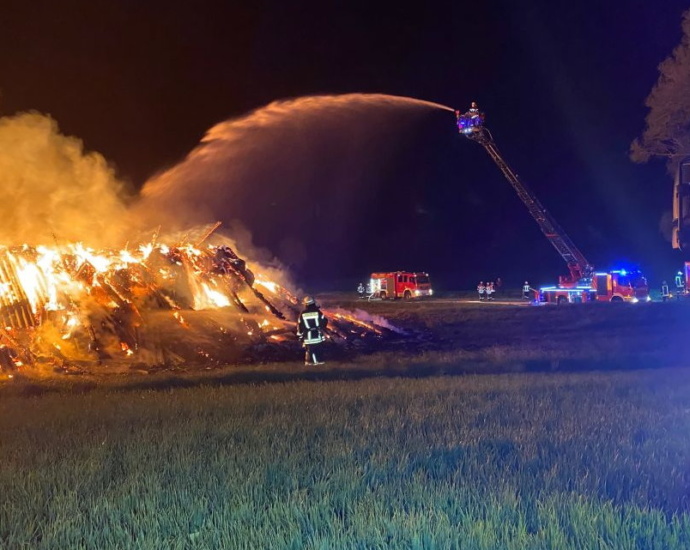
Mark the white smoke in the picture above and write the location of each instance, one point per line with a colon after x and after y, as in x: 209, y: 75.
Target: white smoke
x: 257, y: 172
x: 311, y: 157
x: 367, y: 317
x: 52, y: 188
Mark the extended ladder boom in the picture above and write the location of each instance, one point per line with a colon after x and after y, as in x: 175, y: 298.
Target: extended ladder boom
x: 471, y: 125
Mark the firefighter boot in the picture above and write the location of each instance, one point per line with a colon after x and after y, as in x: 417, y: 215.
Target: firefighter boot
x: 316, y: 361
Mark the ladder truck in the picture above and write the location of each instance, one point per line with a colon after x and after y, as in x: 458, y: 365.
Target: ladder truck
x: 583, y: 283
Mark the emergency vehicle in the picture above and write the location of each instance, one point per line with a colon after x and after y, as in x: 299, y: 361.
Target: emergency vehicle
x: 612, y: 286
x: 583, y: 284
x: 400, y: 284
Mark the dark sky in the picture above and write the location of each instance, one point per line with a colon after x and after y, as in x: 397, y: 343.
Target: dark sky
x: 563, y: 85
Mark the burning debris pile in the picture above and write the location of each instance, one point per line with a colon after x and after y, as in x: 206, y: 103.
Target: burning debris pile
x: 69, y: 306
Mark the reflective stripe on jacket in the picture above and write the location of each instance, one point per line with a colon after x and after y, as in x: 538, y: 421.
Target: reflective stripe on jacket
x: 310, y: 322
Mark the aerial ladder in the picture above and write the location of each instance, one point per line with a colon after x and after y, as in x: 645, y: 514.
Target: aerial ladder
x: 582, y: 283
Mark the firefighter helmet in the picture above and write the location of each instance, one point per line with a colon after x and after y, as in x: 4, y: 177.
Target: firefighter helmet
x: 308, y: 301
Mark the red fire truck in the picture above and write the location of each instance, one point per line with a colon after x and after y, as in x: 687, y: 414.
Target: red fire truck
x: 400, y: 284
x: 612, y: 286
x: 583, y: 284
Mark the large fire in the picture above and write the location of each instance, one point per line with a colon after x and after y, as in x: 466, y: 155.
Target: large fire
x: 157, y: 304
x: 174, y: 300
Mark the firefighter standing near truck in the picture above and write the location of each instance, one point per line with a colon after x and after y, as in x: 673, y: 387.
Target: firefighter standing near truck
x: 311, y: 325
x: 525, y: 291
x: 680, y: 286
x: 361, y: 290
x: 665, y: 294
x: 481, y: 290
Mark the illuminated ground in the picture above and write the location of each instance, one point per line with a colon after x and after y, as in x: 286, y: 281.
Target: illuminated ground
x: 483, y: 426
x: 451, y: 334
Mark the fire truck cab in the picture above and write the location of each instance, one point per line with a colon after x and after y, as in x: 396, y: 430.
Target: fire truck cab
x: 400, y: 284
x: 612, y: 286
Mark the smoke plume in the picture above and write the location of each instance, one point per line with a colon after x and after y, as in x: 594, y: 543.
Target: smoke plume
x: 277, y: 172
x: 290, y: 171
x: 53, y: 189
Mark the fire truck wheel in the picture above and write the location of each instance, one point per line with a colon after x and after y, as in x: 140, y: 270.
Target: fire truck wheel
x: 616, y: 299
x: 561, y: 300
x: 383, y: 295
x: 407, y: 295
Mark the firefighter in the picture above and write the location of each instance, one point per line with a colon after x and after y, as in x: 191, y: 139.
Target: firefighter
x: 525, y: 291
x: 310, y: 330
x: 481, y: 290
x: 665, y: 294
x: 679, y: 284
x: 475, y: 115
x: 361, y: 290
x: 490, y: 291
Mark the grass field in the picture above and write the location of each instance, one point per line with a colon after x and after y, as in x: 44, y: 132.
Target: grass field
x: 572, y: 337
x: 594, y: 460
x: 415, y: 444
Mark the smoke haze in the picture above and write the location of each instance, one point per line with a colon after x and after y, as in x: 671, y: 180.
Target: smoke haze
x: 291, y: 176
x: 294, y: 172
x: 53, y: 189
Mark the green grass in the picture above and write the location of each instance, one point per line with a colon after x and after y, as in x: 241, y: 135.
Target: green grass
x: 594, y: 460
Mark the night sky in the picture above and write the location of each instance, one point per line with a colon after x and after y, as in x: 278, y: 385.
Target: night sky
x: 563, y: 85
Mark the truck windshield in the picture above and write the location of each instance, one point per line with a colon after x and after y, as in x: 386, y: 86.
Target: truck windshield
x: 639, y: 282
x: 633, y: 280
x: 422, y: 280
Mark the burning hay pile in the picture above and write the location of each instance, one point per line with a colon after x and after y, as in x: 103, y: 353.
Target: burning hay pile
x: 70, y: 307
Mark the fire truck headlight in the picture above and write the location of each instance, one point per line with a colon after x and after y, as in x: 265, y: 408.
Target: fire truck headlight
x: 416, y: 292
x: 649, y: 298
x: 634, y: 300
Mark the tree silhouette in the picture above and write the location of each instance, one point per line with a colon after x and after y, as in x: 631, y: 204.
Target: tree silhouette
x: 667, y: 132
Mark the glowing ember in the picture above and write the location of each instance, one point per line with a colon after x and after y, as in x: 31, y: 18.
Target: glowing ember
x: 273, y: 287
x: 67, y: 304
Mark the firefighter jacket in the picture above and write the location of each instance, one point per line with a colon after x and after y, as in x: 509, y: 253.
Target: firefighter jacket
x: 679, y: 281
x: 311, y: 324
